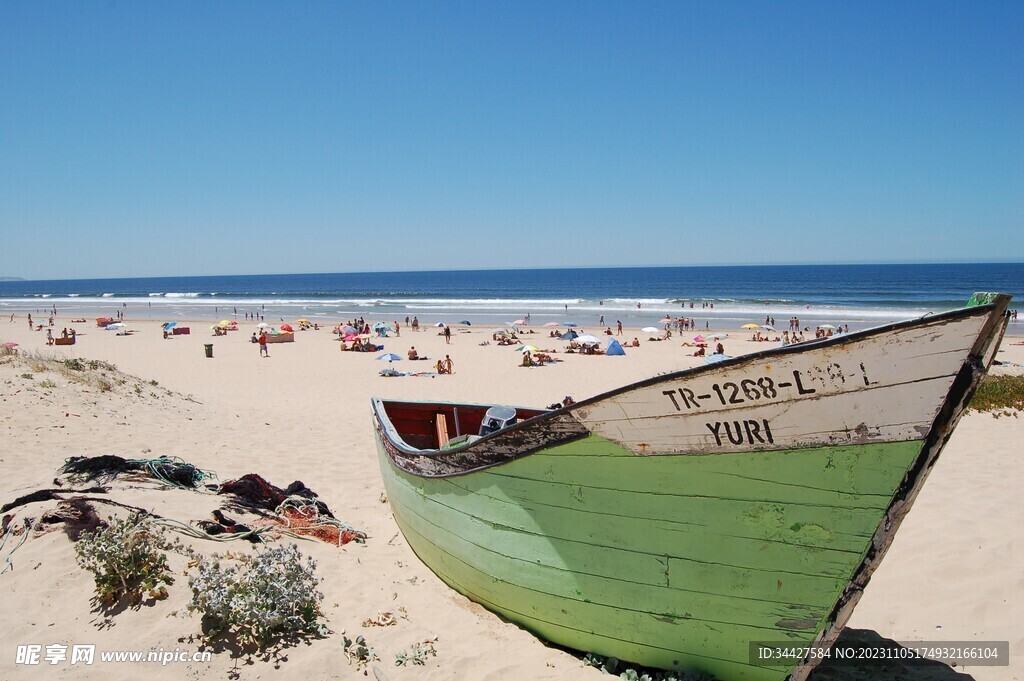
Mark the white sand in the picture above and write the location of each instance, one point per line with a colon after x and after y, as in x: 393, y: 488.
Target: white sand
x: 954, y: 572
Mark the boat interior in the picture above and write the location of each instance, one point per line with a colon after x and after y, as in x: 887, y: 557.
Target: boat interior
x: 443, y: 426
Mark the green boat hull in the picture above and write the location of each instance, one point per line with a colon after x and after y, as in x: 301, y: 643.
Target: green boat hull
x: 677, y: 562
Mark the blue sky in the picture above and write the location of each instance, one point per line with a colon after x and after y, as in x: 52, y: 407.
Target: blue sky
x: 190, y: 138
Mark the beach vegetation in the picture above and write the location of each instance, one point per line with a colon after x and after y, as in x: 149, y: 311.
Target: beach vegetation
x: 999, y: 395
x: 46, y: 383
x: 358, y: 651
x: 613, y: 667
x: 259, y: 598
x: 28, y: 377
x: 417, y: 654
x: 127, y: 559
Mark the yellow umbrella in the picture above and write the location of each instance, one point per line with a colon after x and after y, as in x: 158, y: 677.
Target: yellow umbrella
x: 751, y: 326
x: 302, y: 321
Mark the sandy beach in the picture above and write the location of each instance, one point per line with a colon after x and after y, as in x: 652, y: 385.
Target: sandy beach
x: 953, y: 574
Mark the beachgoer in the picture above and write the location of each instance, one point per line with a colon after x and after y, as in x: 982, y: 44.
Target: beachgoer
x: 440, y: 367
x: 264, y: 352
x: 719, y: 349
x: 49, y: 337
x: 618, y: 328
x: 527, y: 360
x: 447, y: 334
x: 413, y: 354
x: 448, y: 365
x: 398, y: 329
x: 415, y: 324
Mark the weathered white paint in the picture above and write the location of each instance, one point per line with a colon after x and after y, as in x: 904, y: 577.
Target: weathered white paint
x: 869, y: 388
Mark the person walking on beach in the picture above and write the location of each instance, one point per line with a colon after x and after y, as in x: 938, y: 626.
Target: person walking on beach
x: 447, y: 335
x: 618, y: 327
x: 263, y: 344
x: 449, y: 366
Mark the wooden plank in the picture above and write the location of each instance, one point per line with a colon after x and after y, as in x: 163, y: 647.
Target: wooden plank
x: 441, y: 424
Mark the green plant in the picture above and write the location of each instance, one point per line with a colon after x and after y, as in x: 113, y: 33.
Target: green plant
x: 358, y: 651
x: 418, y: 654
x: 47, y: 384
x: 272, y: 594
x: 126, y: 559
x: 1000, y: 395
x: 74, y: 364
x: 28, y: 376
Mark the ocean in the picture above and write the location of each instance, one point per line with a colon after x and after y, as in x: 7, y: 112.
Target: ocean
x: 720, y: 296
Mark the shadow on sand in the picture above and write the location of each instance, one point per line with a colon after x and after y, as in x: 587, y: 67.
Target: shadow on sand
x: 889, y: 670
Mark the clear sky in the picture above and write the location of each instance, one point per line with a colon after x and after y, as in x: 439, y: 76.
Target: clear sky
x: 182, y: 138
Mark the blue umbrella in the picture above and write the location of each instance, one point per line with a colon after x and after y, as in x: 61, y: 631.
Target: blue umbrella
x: 570, y: 323
x: 381, y: 325
x: 466, y: 322
x: 390, y: 357
x: 169, y: 325
x: 568, y: 335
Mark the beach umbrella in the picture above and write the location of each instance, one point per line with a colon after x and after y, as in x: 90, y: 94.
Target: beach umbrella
x: 587, y: 338
x: 698, y: 339
x: 826, y: 326
x: 527, y: 348
x: 301, y: 321
x: 115, y: 326
x: 750, y: 326
x: 263, y: 325
x: 718, y: 336
x: 569, y: 335
x: 287, y: 327
x: 769, y: 327
x: 439, y: 324
x: 571, y: 324
x: 465, y: 322
x: 381, y: 325
x: 650, y: 329
x: 552, y: 324
x: 349, y: 329
x: 501, y: 330
x: 169, y: 325
x: 519, y: 321
x: 390, y: 357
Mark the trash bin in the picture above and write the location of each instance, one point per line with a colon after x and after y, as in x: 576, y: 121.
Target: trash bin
x: 209, y: 349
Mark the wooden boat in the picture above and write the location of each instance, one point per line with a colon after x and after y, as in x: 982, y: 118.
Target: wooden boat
x: 673, y: 522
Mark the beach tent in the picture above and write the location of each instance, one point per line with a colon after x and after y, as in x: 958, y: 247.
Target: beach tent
x: 568, y: 335
x: 650, y: 329
x: 614, y: 348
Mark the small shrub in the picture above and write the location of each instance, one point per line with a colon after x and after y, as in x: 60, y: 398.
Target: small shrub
x: 126, y: 559
x: 47, y: 384
x: 418, y: 654
x: 28, y: 376
x: 272, y: 594
x: 358, y: 651
x: 74, y: 364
